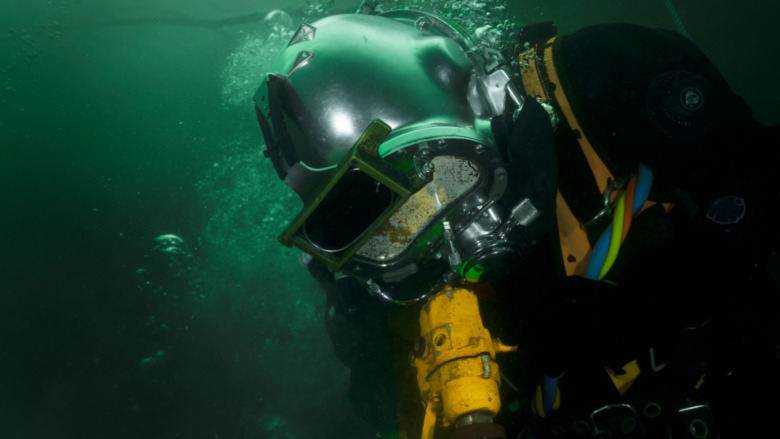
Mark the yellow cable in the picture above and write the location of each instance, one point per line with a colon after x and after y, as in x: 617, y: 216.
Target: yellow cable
x: 617, y: 235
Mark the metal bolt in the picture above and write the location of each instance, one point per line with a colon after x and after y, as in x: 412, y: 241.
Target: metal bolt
x: 485, y: 366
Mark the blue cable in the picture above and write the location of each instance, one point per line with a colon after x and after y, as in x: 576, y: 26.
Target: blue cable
x: 644, y: 181
x: 598, y: 255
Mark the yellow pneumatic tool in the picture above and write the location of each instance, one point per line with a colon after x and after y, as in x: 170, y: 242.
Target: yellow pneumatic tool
x: 456, y: 369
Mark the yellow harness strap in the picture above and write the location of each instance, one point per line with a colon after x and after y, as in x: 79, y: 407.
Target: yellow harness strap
x: 574, y: 241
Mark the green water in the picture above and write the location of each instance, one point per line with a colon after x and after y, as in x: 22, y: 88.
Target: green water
x: 121, y: 122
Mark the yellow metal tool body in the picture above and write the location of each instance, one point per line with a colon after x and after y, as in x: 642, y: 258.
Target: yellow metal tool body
x: 455, y: 359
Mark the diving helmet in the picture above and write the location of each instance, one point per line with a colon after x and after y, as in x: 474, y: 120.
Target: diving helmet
x: 384, y: 126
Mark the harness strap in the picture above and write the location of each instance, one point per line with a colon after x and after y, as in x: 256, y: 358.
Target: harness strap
x: 553, y: 90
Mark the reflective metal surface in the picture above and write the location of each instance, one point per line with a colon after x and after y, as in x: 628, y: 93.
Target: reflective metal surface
x: 438, y: 92
x: 367, y: 67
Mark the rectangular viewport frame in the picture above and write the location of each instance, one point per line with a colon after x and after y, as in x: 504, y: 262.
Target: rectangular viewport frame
x: 364, y: 156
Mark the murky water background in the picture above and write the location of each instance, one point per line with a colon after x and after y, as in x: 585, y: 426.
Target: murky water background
x: 143, y: 292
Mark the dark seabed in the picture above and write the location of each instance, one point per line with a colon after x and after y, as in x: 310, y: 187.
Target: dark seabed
x: 143, y: 292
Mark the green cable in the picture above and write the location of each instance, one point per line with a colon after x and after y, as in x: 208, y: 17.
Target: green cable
x: 676, y: 19
x: 617, y: 235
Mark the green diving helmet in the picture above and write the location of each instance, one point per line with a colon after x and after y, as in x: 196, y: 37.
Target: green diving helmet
x: 384, y: 126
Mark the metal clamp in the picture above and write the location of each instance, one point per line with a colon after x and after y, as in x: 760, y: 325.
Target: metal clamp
x: 605, y: 198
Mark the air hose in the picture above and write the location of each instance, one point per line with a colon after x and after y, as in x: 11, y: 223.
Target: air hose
x: 606, y: 249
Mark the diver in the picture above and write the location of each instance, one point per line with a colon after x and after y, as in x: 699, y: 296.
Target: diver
x: 604, y: 194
